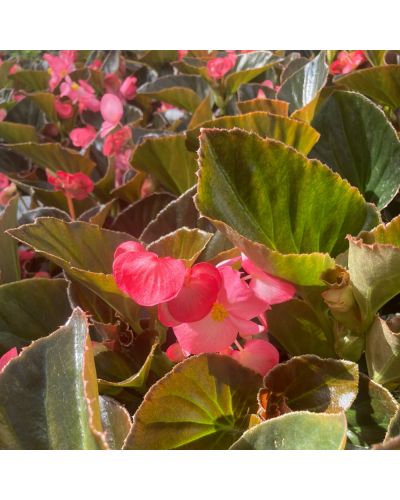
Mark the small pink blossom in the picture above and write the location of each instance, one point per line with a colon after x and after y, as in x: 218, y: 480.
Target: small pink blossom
x: 147, y: 278
x: 259, y: 355
x: 42, y: 274
x: 14, y: 69
x: 64, y: 110
x: 3, y: 114
x: 128, y: 88
x: 60, y: 66
x: 96, y: 64
x: 112, y: 111
x: 219, y: 66
x: 7, y: 190
x: 4, y: 181
x: 81, y: 93
x: 230, y: 314
x: 347, y: 62
x: 115, y: 142
x: 83, y: 136
x: 76, y: 186
x: 7, y: 357
x: 175, y: 353
x: 182, y: 54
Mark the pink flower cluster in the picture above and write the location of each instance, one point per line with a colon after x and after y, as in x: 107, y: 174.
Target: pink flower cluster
x: 347, y: 62
x: 207, y: 306
x: 219, y: 66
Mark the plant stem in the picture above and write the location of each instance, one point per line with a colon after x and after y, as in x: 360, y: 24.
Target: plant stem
x: 238, y: 345
x: 71, y: 207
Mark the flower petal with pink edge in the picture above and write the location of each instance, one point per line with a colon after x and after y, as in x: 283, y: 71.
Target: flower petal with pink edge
x: 175, y: 353
x: 245, y: 327
x: 7, y: 357
x: 111, y: 108
x: 128, y: 246
x: 259, y: 355
x: 206, y: 335
x: 147, y: 278
x: 268, y: 288
x: 237, y: 296
x: 165, y: 316
x: 199, y: 292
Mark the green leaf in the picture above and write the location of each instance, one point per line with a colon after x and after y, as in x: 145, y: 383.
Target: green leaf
x: 381, y: 84
x: 75, y: 247
x: 309, y: 383
x: 32, y: 413
x: 300, y: 430
x: 30, y: 80
x: 247, y: 67
x: 359, y: 143
x: 180, y: 212
x: 302, y: 211
x: 203, y: 403
x: 303, y: 85
x: 137, y: 216
x: 184, y: 243
x: 376, y: 57
x: 17, y: 132
x: 370, y: 414
x: 185, y: 92
x: 273, y: 106
x: 116, y: 422
x: 300, y: 330
x: 159, y: 57
x: 294, y: 133
x: 46, y: 102
x: 9, y: 261
x: 374, y: 266
x: 30, y: 309
x: 383, y: 354
x: 168, y: 160
x: 202, y: 113
x: 54, y: 157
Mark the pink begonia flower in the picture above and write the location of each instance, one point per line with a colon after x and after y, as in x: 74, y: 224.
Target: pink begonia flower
x: 14, y: 69
x: 128, y: 88
x: 164, y: 106
x: 347, y: 62
x: 76, y: 186
x: 114, y: 142
x: 81, y: 93
x: 230, y: 314
x: 259, y: 355
x: 60, y: 66
x: 25, y: 255
x: 122, y: 164
x: 95, y: 65
x: 175, y: 353
x: 182, y: 54
x: 7, y: 357
x: 42, y: 274
x: 112, y: 111
x: 268, y: 288
x: 112, y: 84
x: 3, y: 114
x: 196, y: 298
x: 4, y: 181
x: 147, y: 278
x: 83, y: 136
x: 219, y: 66
x: 64, y: 110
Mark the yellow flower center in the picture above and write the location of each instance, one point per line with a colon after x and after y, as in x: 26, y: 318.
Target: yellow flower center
x: 74, y: 86
x: 218, y: 312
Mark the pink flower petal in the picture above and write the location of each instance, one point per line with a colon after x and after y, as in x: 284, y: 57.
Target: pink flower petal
x: 128, y: 246
x: 246, y: 327
x: 165, y: 316
x: 206, y: 335
x: 175, y: 353
x: 259, y: 355
x: 198, y: 294
x: 236, y: 294
x: 7, y: 357
x: 111, y: 108
x: 148, y: 279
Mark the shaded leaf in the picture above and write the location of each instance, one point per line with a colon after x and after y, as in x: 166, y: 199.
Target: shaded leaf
x: 300, y: 330
x: 300, y: 430
x: 273, y: 106
x: 116, y: 422
x: 30, y: 309
x: 17, y: 132
x: 32, y: 413
x: 359, y: 143
x: 202, y: 113
x: 30, y: 80
x: 9, y: 261
x: 168, y: 160
x: 205, y: 402
x: 370, y: 414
